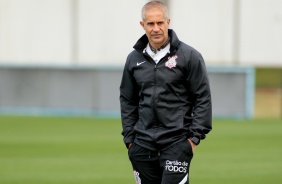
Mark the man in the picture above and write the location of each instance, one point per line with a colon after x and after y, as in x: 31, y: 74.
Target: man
x: 165, y: 102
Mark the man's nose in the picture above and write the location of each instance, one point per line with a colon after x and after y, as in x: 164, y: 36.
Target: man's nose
x: 156, y: 28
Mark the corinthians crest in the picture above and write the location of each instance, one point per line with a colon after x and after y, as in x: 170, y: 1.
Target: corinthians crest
x: 171, y: 62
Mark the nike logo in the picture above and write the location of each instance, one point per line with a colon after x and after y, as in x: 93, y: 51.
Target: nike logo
x: 140, y: 63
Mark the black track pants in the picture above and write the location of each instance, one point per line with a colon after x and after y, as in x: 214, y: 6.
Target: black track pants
x: 170, y: 166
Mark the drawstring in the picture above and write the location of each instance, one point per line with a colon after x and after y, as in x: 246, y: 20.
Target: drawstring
x: 150, y: 154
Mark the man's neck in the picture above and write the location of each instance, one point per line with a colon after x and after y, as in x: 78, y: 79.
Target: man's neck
x: 156, y: 48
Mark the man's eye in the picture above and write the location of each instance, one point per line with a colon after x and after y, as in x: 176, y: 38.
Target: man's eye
x: 150, y: 23
x: 160, y: 23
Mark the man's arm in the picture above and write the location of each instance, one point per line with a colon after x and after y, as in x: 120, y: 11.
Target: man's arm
x: 202, y: 111
x: 129, y: 100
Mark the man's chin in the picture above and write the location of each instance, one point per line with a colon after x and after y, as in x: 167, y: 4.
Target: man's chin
x: 157, y: 41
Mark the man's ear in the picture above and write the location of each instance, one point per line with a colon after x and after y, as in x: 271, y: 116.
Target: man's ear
x: 142, y: 24
x: 168, y: 21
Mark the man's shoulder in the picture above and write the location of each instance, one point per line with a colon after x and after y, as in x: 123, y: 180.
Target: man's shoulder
x: 134, y: 54
x: 133, y: 57
x: 190, y: 53
x: 187, y: 48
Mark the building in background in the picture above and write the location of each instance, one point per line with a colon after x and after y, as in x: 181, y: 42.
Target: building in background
x: 66, y: 56
x: 101, y: 33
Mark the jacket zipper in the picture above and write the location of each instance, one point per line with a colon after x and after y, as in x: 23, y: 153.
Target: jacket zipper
x: 154, y: 100
x: 154, y: 90
x: 155, y: 86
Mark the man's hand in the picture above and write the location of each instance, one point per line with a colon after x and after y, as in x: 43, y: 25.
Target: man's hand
x: 192, y: 144
x: 129, y: 145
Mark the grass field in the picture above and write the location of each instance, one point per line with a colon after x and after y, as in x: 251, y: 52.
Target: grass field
x: 45, y: 150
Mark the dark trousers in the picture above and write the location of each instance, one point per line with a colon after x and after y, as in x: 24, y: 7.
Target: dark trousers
x: 170, y: 166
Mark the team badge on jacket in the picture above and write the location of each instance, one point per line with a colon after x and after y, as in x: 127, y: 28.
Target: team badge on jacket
x: 171, y: 62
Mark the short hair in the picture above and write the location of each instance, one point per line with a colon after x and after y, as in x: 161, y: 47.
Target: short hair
x: 154, y: 4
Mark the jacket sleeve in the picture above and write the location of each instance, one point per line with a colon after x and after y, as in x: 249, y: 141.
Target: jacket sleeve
x: 202, y: 109
x: 129, y: 100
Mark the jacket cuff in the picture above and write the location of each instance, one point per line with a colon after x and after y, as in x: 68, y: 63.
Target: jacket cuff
x: 127, y: 145
x: 195, y: 140
x: 128, y: 140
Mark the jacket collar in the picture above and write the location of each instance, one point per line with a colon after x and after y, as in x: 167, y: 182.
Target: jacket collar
x: 143, y: 41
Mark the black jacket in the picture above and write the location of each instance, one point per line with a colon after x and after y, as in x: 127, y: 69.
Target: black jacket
x: 167, y: 102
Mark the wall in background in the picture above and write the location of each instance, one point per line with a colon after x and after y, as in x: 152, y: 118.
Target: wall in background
x: 95, y: 91
x: 102, y: 33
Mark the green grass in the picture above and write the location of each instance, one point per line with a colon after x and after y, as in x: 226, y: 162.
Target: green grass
x: 45, y: 150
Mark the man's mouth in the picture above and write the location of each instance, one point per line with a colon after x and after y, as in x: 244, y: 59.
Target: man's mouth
x: 157, y: 35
